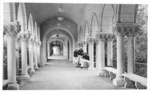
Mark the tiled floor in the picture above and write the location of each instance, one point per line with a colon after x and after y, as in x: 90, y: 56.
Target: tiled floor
x: 61, y: 74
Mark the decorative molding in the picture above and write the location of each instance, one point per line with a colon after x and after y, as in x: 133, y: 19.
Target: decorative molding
x: 84, y: 42
x: 90, y: 40
x: 127, y: 29
x: 23, y: 35
x: 12, y: 29
x: 105, y: 36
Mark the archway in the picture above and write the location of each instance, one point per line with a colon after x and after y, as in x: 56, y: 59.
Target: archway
x: 54, y: 30
x: 59, y: 41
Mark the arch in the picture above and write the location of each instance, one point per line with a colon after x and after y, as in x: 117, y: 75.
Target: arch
x: 21, y: 16
x: 94, y: 27
x: 39, y: 33
x: 50, y: 41
x: 127, y: 13
x: 80, y: 34
x: 71, y: 42
x: 86, y: 29
x: 107, y: 18
x: 50, y: 32
x: 35, y: 29
x: 30, y: 23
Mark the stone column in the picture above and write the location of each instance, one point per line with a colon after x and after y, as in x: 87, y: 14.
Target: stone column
x: 17, y: 53
x: 35, y: 55
x: 23, y: 39
x: 109, y: 53
x: 11, y: 32
x: 100, y: 55
x: 110, y: 38
x: 118, y: 81
x: 39, y: 45
x: 132, y: 30
x: 91, y: 53
x: 31, y: 55
x: 65, y: 47
x: 130, y: 53
x: 84, y: 46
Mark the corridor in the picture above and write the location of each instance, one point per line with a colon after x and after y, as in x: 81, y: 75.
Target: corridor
x: 62, y: 74
x: 46, y: 40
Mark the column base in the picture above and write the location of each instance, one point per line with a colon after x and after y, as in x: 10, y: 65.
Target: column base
x: 13, y: 86
x: 119, y: 81
x: 36, y: 68
x: 32, y: 71
x: 24, y: 77
x: 42, y: 64
x: 91, y: 68
x: 101, y: 73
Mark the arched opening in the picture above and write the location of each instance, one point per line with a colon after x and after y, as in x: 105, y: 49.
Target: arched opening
x: 57, y: 46
x: 53, y: 31
x: 94, y: 30
x: 22, y: 19
x: 30, y: 23
x: 107, y: 18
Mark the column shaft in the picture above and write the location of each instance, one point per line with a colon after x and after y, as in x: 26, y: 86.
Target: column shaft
x: 118, y: 81
x: 35, y: 56
x: 24, y: 56
x: 11, y: 59
x: 84, y: 48
x: 102, y: 54
x: 130, y: 52
x: 119, y: 55
x: 98, y: 54
x: 109, y: 53
x: 91, y: 54
x: 31, y: 57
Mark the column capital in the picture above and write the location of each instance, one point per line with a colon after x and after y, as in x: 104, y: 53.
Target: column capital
x: 90, y: 40
x: 23, y: 35
x: 110, y: 37
x: 12, y: 29
x: 39, y: 43
x: 105, y: 36
x: 127, y: 29
x: 97, y: 41
x: 30, y: 40
x: 79, y: 43
x: 84, y: 42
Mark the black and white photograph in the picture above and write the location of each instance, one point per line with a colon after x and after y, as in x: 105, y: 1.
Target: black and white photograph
x: 74, y: 46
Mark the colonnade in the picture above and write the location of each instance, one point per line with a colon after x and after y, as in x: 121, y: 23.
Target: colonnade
x: 26, y: 39
x: 123, y: 30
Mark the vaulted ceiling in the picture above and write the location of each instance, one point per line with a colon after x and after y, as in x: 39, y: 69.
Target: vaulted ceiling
x: 74, y: 12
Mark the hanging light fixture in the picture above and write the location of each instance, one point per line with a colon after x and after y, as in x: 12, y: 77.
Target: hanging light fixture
x: 60, y: 11
x: 60, y: 18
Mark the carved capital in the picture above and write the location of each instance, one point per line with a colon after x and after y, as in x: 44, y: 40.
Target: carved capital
x: 127, y: 29
x: 79, y: 44
x: 105, y: 36
x: 30, y: 40
x: 84, y: 42
x: 91, y: 40
x: 12, y: 29
x: 39, y: 43
x: 23, y: 35
x: 110, y: 37
x: 97, y: 41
